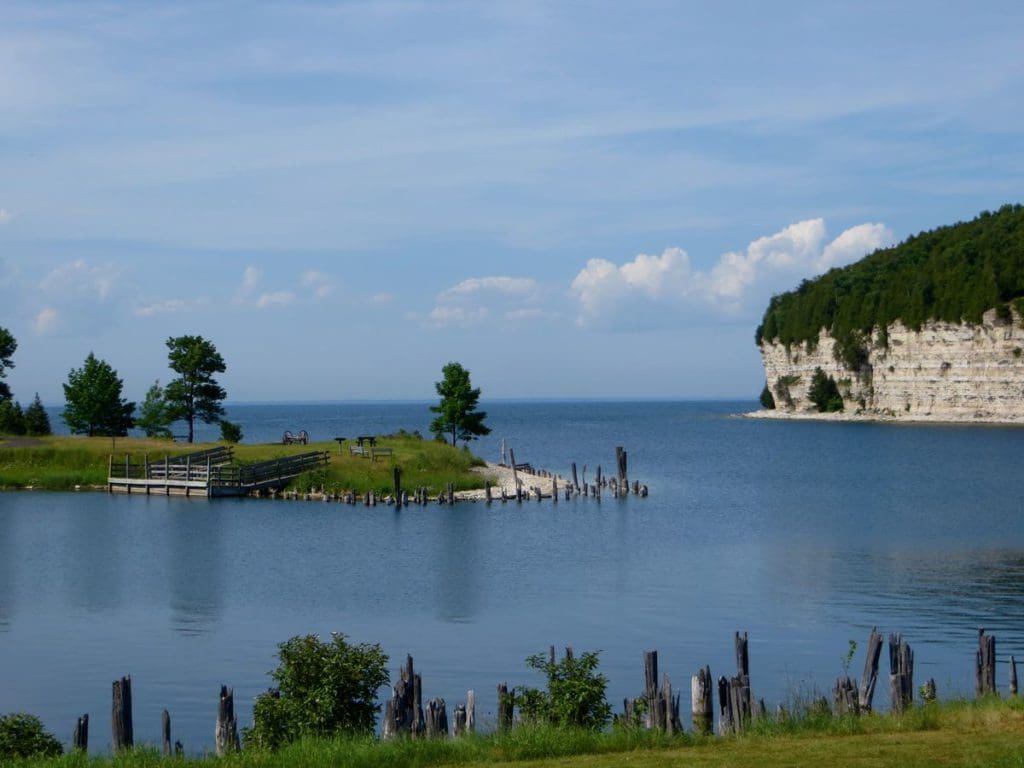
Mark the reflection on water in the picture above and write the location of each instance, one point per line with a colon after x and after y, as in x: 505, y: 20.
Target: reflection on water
x: 196, y: 567
x: 807, y: 535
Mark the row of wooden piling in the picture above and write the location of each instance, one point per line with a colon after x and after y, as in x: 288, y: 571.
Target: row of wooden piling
x: 618, y: 486
x: 657, y: 708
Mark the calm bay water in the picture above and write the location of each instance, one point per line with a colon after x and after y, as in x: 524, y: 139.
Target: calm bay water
x: 804, y: 534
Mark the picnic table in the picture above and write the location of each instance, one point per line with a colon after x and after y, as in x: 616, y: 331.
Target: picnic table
x: 371, y: 440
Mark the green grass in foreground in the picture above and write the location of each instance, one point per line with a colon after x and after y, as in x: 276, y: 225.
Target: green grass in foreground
x: 987, y: 733
x: 61, y: 463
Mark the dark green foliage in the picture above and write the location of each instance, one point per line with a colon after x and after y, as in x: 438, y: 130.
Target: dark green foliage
x: 575, y: 696
x: 195, y: 393
x: 230, y: 432
x: 155, y: 415
x: 824, y: 393
x: 953, y: 273
x: 93, y: 403
x: 457, y: 417
x: 7, y: 347
x: 767, y: 399
x: 12, y: 420
x: 324, y: 689
x: 37, y: 421
x: 23, y: 735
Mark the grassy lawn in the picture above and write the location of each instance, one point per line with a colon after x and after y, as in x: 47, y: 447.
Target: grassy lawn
x: 61, y: 463
x: 989, y: 733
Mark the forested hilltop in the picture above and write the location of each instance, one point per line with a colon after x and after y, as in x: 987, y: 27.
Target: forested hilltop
x: 953, y: 273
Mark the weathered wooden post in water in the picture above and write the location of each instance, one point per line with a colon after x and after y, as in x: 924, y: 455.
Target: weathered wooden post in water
x: 702, y: 708
x: 165, y: 731
x: 985, y: 665
x: 436, y: 719
x: 844, y: 697
x: 623, y: 474
x: 504, y: 708
x: 403, y: 712
x: 226, y: 731
x: 122, y: 734
x: 1013, y: 676
x: 397, y: 472
x: 80, y: 738
x: 901, y: 674
x: 867, y: 682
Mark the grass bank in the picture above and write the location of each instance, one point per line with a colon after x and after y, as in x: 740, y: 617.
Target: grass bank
x: 987, y: 733
x: 62, y: 463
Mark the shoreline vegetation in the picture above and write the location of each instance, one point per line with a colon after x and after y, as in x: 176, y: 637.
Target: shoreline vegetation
x: 62, y: 463
x: 985, y: 732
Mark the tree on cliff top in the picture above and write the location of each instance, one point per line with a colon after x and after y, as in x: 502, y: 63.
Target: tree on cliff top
x: 195, y: 393
x: 457, y: 416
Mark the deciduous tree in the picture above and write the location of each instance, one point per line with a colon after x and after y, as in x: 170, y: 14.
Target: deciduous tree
x: 195, y: 393
x: 457, y: 416
x: 93, y: 402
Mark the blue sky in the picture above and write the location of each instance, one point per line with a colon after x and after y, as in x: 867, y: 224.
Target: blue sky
x: 571, y: 199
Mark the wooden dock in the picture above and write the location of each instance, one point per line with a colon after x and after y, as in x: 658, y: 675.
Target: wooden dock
x: 208, y: 473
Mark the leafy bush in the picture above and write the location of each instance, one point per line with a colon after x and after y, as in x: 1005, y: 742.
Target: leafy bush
x: 575, y: 696
x: 23, y: 735
x: 824, y: 393
x: 324, y: 689
x: 767, y: 401
x: 230, y: 432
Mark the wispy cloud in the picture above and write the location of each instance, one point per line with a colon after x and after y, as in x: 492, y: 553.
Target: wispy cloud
x: 471, y: 301
x: 319, y: 284
x: 5, y: 215
x: 655, y: 290
x: 170, y: 307
x: 272, y: 299
x: 46, y: 322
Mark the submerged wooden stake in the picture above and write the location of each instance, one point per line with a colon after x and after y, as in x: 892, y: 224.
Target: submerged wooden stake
x: 702, y: 708
x: 901, y: 674
x: 504, y: 708
x: 867, y: 683
x: 165, y: 732
x: 985, y: 665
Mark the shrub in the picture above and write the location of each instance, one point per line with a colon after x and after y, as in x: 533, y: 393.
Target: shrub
x: 23, y: 735
x: 324, y: 689
x: 575, y: 696
x: 230, y: 432
x: 824, y: 393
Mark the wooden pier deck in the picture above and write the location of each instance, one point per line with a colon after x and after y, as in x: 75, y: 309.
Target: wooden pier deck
x: 208, y: 473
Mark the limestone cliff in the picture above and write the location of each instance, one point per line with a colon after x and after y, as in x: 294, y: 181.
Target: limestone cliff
x: 971, y: 372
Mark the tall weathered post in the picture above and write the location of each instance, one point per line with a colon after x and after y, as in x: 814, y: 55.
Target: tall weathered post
x: 866, y: 693
x: 702, y: 708
x: 504, y: 708
x: 80, y: 738
x: 122, y: 733
x: 985, y: 665
x: 165, y: 732
x: 226, y: 731
x: 901, y: 674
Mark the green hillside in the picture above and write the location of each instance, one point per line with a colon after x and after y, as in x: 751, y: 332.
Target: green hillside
x: 953, y: 273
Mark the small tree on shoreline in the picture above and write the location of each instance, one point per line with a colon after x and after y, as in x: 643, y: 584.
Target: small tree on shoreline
x: 93, y: 402
x: 457, y: 416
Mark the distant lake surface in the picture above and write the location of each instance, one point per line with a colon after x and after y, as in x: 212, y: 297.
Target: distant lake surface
x: 806, y: 535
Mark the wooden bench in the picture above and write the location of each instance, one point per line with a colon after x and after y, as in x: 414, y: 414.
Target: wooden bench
x: 290, y: 439
x: 375, y: 452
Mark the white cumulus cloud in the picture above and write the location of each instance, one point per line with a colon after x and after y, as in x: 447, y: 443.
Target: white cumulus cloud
x: 477, y: 299
x: 82, y: 279
x: 651, y: 290
x: 444, y: 316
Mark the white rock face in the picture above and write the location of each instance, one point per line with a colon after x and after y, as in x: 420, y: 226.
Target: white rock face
x: 944, y: 372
